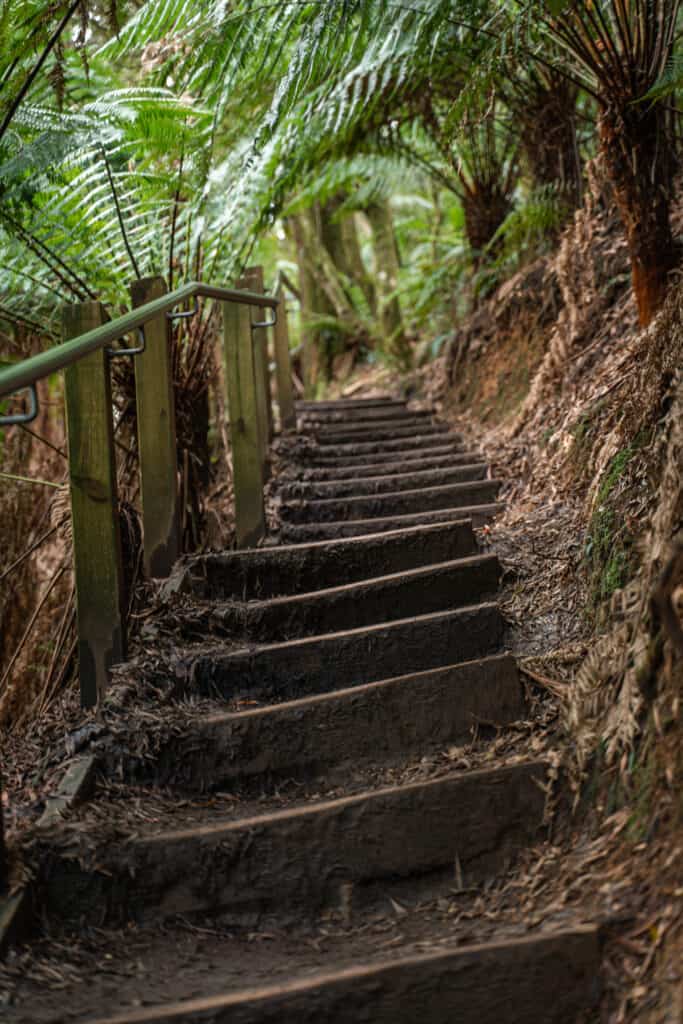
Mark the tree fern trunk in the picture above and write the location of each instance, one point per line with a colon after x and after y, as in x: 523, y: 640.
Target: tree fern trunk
x: 548, y: 135
x: 485, y: 210
x: 637, y: 150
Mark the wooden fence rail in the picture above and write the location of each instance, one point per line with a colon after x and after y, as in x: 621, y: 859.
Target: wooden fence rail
x: 85, y: 358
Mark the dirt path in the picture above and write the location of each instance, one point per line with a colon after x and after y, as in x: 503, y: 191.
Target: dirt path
x: 321, y: 835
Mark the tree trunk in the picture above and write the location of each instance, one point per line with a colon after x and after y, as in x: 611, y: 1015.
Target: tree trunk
x: 637, y: 149
x: 321, y: 251
x: 485, y: 210
x: 349, y: 261
x: 387, y: 267
x: 321, y: 238
x: 3, y: 848
x: 333, y: 238
x: 548, y: 136
x: 307, y: 289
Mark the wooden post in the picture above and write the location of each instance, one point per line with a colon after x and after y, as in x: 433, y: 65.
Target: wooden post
x: 283, y: 366
x: 157, y: 436
x: 4, y: 867
x: 94, y: 508
x: 252, y: 280
x: 247, y: 461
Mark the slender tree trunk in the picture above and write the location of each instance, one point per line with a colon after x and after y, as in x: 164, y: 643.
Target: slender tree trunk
x: 307, y: 289
x: 345, y: 266
x: 319, y: 236
x: 3, y: 848
x: 320, y: 241
x: 437, y: 223
x: 638, y: 153
x: 548, y: 136
x: 387, y: 266
x: 341, y: 238
x: 332, y: 235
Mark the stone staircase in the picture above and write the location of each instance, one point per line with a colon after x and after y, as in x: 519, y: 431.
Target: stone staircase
x: 367, y: 636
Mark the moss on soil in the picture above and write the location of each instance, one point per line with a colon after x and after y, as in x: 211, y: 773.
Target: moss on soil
x: 609, y: 551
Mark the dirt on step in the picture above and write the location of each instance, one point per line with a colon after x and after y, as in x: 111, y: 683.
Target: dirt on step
x: 68, y: 977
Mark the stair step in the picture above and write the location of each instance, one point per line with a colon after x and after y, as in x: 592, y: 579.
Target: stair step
x: 308, y: 489
x: 319, y: 453
x: 398, y: 653
x: 291, y: 569
x: 423, y: 422
x: 298, y: 533
x: 393, y: 503
x: 382, y: 432
x: 335, y: 404
x: 309, y: 737
x: 324, y: 457
x: 367, y: 413
x: 420, y: 591
x: 361, y: 469
x: 294, y: 861
x: 336, y: 660
x: 549, y: 977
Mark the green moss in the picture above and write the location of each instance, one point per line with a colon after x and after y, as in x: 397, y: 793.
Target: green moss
x: 614, y: 471
x: 583, y: 431
x: 642, y: 787
x: 609, y: 552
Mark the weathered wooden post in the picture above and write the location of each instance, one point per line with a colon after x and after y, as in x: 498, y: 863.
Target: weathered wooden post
x: 4, y: 867
x: 247, y: 450
x: 252, y: 280
x: 94, y: 507
x: 157, y: 436
x: 283, y: 365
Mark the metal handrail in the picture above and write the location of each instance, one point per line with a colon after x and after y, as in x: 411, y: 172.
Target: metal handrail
x: 26, y: 373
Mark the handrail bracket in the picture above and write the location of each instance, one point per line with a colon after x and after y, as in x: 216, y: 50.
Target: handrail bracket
x: 18, y: 418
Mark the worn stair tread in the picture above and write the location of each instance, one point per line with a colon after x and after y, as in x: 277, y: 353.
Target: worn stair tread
x: 427, y: 588
x: 288, y: 568
x: 368, y: 414
x: 420, y: 422
x: 420, y: 499
x: 382, y: 432
x: 327, y: 662
x: 296, y: 533
x: 354, y: 455
x: 383, y: 643
x: 245, y: 864
x: 548, y: 976
x: 385, y: 409
x: 386, y: 482
x: 363, y: 468
x: 357, y: 448
x: 304, y: 405
x: 313, y: 736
